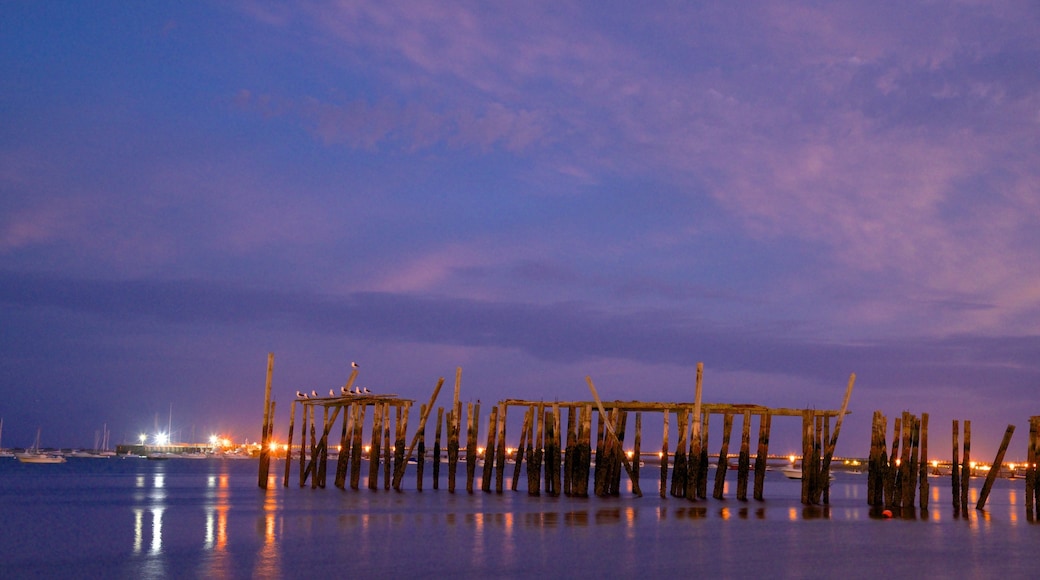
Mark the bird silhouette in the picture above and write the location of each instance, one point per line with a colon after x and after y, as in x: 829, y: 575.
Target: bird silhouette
x: 353, y: 365
x: 367, y: 392
x: 314, y: 394
x: 345, y: 391
x: 357, y: 390
x: 332, y: 393
x: 300, y: 395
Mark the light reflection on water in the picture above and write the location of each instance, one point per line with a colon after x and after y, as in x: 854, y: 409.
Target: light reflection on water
x: 208, y: 519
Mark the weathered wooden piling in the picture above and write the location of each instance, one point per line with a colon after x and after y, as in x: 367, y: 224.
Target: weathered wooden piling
x: 923, y: 464
x: 995, y: 469
x: 471, y: 444
x: 343, y: 461
x: 955, y: 468
x: 584, y: 450
x: 557, y: 457
x: 388, y: 452
x: 534, y: 452
x: 892, y: 473
x: 693, y: 459
x: 807, y: 467
x: 375, y: 446
x: 525, y: 433
x: 764, y: 425
x: 664, y: 456
x: 420, y: 436
x: 624, y: 460
x: 1031, y: 466
x: 744, y: 459
x: 489, y: 450
x: 454, y: 425
x: 679, y: 468
x: 614, y: 486
x: 637, y: 446
x: 288, y: 451
x: 702, y: 473
x: 265, y: 452
x: 547, y: 451
x: 437, y: 449
x: 500, y: 460
x: 723, y: 465
x: 601, y: 448
x: 966, y: 466
x: 420, y: 451
x: 355, y: 449
x: 832, y: 441
x: 569, y: 453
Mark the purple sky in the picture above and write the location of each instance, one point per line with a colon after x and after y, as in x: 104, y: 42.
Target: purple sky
x: 532, y: 191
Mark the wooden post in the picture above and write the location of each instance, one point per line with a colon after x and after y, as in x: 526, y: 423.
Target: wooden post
x: 966, y: 466
x: 525, y: 434
x: 744, y: 462
x: 387, y: 451
x: 1031, y: 467
x: 420, y: 451
x: 624, y: 460
x: 489, y: 450
x: 679, y: 468
x: 343, y: 461
x: 693, y: 460
x: 914, y: 478
x: 664, y: 455
x: 400, y: 432
x: 807, y: 435
x: 955, y: 467
x: 500, y: 467
x: 455, y: 424
x: 584, y: 457
x: 288, y: 439
x: 702, y: 477
x: 825, y: 470
x: 471, y: 445
x: 720, y: 471
x: 923, y: 473
x: 305, y: 408
x: 601, y: 460
x: 312, y: 465
x: 375, y: 446
x: 437, y: 449
x: 614, y: 484
x: 265, y: 452
x: 892, y: 498
x: 556, y: 455
x: 764, y: 423
x: 572, y: 444
x: 637, y: 451
x: 421, y: 432
x: 355, y: 450
x: 904, y: 482
x: 995, y: 470
x: 535, y: 451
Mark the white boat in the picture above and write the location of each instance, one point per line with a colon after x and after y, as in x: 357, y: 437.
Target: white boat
x: 33, y: 454
x: 796, y: 473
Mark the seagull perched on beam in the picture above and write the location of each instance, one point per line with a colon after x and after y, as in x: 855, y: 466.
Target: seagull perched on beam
x: 357, y: 390
x: 300, y: 395
x: 332, y: 393
x: 367, y: 392
x: 345, y: 391
x: 353, y: 365
x: 314, y: 393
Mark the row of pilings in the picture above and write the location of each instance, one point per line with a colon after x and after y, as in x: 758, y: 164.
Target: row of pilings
x: 559, y: 455
x: 898, y: 480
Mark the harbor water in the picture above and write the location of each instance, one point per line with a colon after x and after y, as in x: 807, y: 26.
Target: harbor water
x: 179, y: 518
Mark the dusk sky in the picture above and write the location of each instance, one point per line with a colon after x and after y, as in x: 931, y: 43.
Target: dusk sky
x: 788, y: 192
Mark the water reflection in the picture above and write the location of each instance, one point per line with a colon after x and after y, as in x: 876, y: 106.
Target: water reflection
x: 153, y: 497
x: 268, y: 562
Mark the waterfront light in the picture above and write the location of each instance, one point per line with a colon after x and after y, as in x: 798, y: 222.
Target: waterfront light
x: 143, y: 437
x: 162, y: 438
x: 213, y: 439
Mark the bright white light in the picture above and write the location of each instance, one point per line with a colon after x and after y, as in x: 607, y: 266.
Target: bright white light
x: 162, y: 438
x: 213, y: 439
x: 143, y: 438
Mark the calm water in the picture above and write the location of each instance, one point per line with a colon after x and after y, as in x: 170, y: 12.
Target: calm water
x: 133, y: 518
